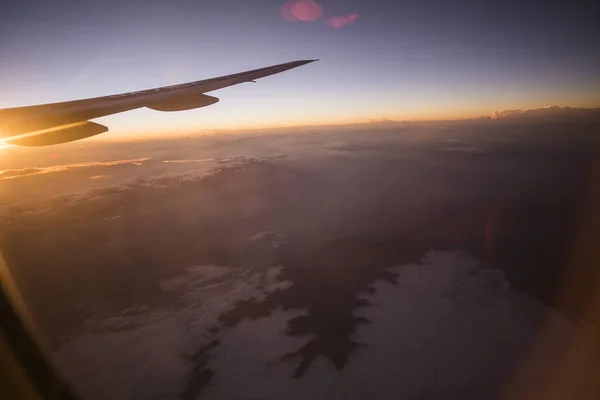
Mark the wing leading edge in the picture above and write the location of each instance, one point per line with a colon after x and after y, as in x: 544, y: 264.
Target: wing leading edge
x: 55, y: 123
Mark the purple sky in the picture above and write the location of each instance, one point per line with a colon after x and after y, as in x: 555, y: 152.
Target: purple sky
x: 398, y: 59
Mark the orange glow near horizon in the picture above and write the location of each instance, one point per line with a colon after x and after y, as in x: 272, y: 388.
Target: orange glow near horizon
x: 149, y: 123
x: 171, y: 125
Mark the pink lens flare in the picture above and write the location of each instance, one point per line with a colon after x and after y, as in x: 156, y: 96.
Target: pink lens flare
x: 301, y: 10
x: 341, y: 21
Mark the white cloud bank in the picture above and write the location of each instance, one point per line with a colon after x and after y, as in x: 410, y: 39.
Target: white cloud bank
x: 449, y: 330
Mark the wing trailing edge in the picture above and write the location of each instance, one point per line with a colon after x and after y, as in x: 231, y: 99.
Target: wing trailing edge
x: 59, y: 134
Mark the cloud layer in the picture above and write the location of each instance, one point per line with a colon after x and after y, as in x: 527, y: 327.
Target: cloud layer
x: 23, y: 172
x: 550, y: 112
x: 445, y: 313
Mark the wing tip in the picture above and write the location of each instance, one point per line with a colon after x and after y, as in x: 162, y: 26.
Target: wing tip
x: 302, y: 62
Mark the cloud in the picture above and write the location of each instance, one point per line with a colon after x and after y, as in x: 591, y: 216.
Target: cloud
x: 98, y: 360
x: 60, y: 203
x: 548, y: 112
x: 223, y: 164
x: 23, y: 172
x: 187, y: 161
x: 465, y: 149
x: 506, y: 114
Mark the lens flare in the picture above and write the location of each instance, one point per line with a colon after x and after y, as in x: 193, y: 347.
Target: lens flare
x: 341, y: 21
x: 301, y: 10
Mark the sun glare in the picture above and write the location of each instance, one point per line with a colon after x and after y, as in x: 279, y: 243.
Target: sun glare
x: 4, y: 145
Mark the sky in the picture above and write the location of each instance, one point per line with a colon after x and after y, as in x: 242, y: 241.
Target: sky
x: 379, y: 58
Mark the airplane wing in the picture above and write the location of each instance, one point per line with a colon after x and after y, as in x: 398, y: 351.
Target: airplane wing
x: 55, y: 123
